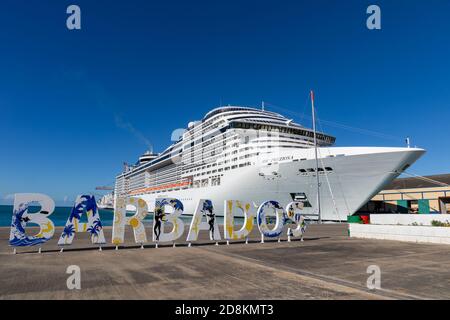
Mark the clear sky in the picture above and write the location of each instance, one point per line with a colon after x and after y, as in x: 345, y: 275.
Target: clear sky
x: 76, y: 104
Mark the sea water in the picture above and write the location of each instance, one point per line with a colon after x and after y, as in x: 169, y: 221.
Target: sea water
x: 61, y: 214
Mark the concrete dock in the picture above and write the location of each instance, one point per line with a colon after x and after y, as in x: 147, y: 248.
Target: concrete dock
x: 327, y: 265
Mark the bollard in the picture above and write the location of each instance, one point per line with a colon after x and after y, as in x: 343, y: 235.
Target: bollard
x: 62, y: 249
x: 100, y: 248
x: 262, y: 238
x: 246, y: 240
x: 217, y: 243
x: 189, y: 245
x: 142, y: 246
x: 289, y: 238
x: 117, y: 248
x: 40, y: 250
x: 174, y: 245
x: 156, y: 245
x: 14, y: 251
x: 279, y: 240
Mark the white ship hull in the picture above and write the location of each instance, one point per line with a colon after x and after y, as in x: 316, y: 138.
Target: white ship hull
x: 357, y: 175
x: 105, y: 207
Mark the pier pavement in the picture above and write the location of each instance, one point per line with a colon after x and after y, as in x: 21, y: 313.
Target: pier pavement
x: 326, y: 265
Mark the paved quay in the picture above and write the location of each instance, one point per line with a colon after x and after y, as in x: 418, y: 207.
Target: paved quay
x: 327, y: 265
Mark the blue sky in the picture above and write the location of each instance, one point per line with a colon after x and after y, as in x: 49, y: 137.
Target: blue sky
x: 76, y: 104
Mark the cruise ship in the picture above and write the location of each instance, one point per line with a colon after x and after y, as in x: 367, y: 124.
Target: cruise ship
x: 106, y: 202
x: 255, y: 155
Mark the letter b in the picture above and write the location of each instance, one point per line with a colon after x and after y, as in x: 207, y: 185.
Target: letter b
x: 21, y: 217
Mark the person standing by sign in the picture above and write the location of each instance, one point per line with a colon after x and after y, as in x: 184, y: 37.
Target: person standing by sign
x: 212, y: 218
x: 159, y: 215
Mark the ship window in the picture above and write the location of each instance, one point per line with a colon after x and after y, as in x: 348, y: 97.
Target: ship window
x: 328, y: 168
x: 311, y: 170
x: 227, y: 168
x: 234, y: 167
x: 303, y: 170
x: 220, y: 170
x: 320, y: 169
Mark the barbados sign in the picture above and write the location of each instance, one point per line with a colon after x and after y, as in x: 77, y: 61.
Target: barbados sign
x: 202, y: 219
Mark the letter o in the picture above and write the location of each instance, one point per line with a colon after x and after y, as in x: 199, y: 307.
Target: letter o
x: 280, y: 214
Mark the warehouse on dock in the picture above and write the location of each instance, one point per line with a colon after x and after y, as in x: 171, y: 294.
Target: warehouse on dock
x: 419, y: 195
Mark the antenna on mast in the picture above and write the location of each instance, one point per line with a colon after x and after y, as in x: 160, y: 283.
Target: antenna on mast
x: 407, y: 142
x: 317, y: 159
x: 262, y: 105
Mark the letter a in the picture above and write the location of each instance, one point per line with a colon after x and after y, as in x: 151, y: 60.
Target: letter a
x: 374, y: 21
x: 204, y: 209
x: 84, y: 205
x: 74, y: 20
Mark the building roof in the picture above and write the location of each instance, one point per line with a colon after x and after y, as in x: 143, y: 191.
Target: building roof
x: 420, y: 182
